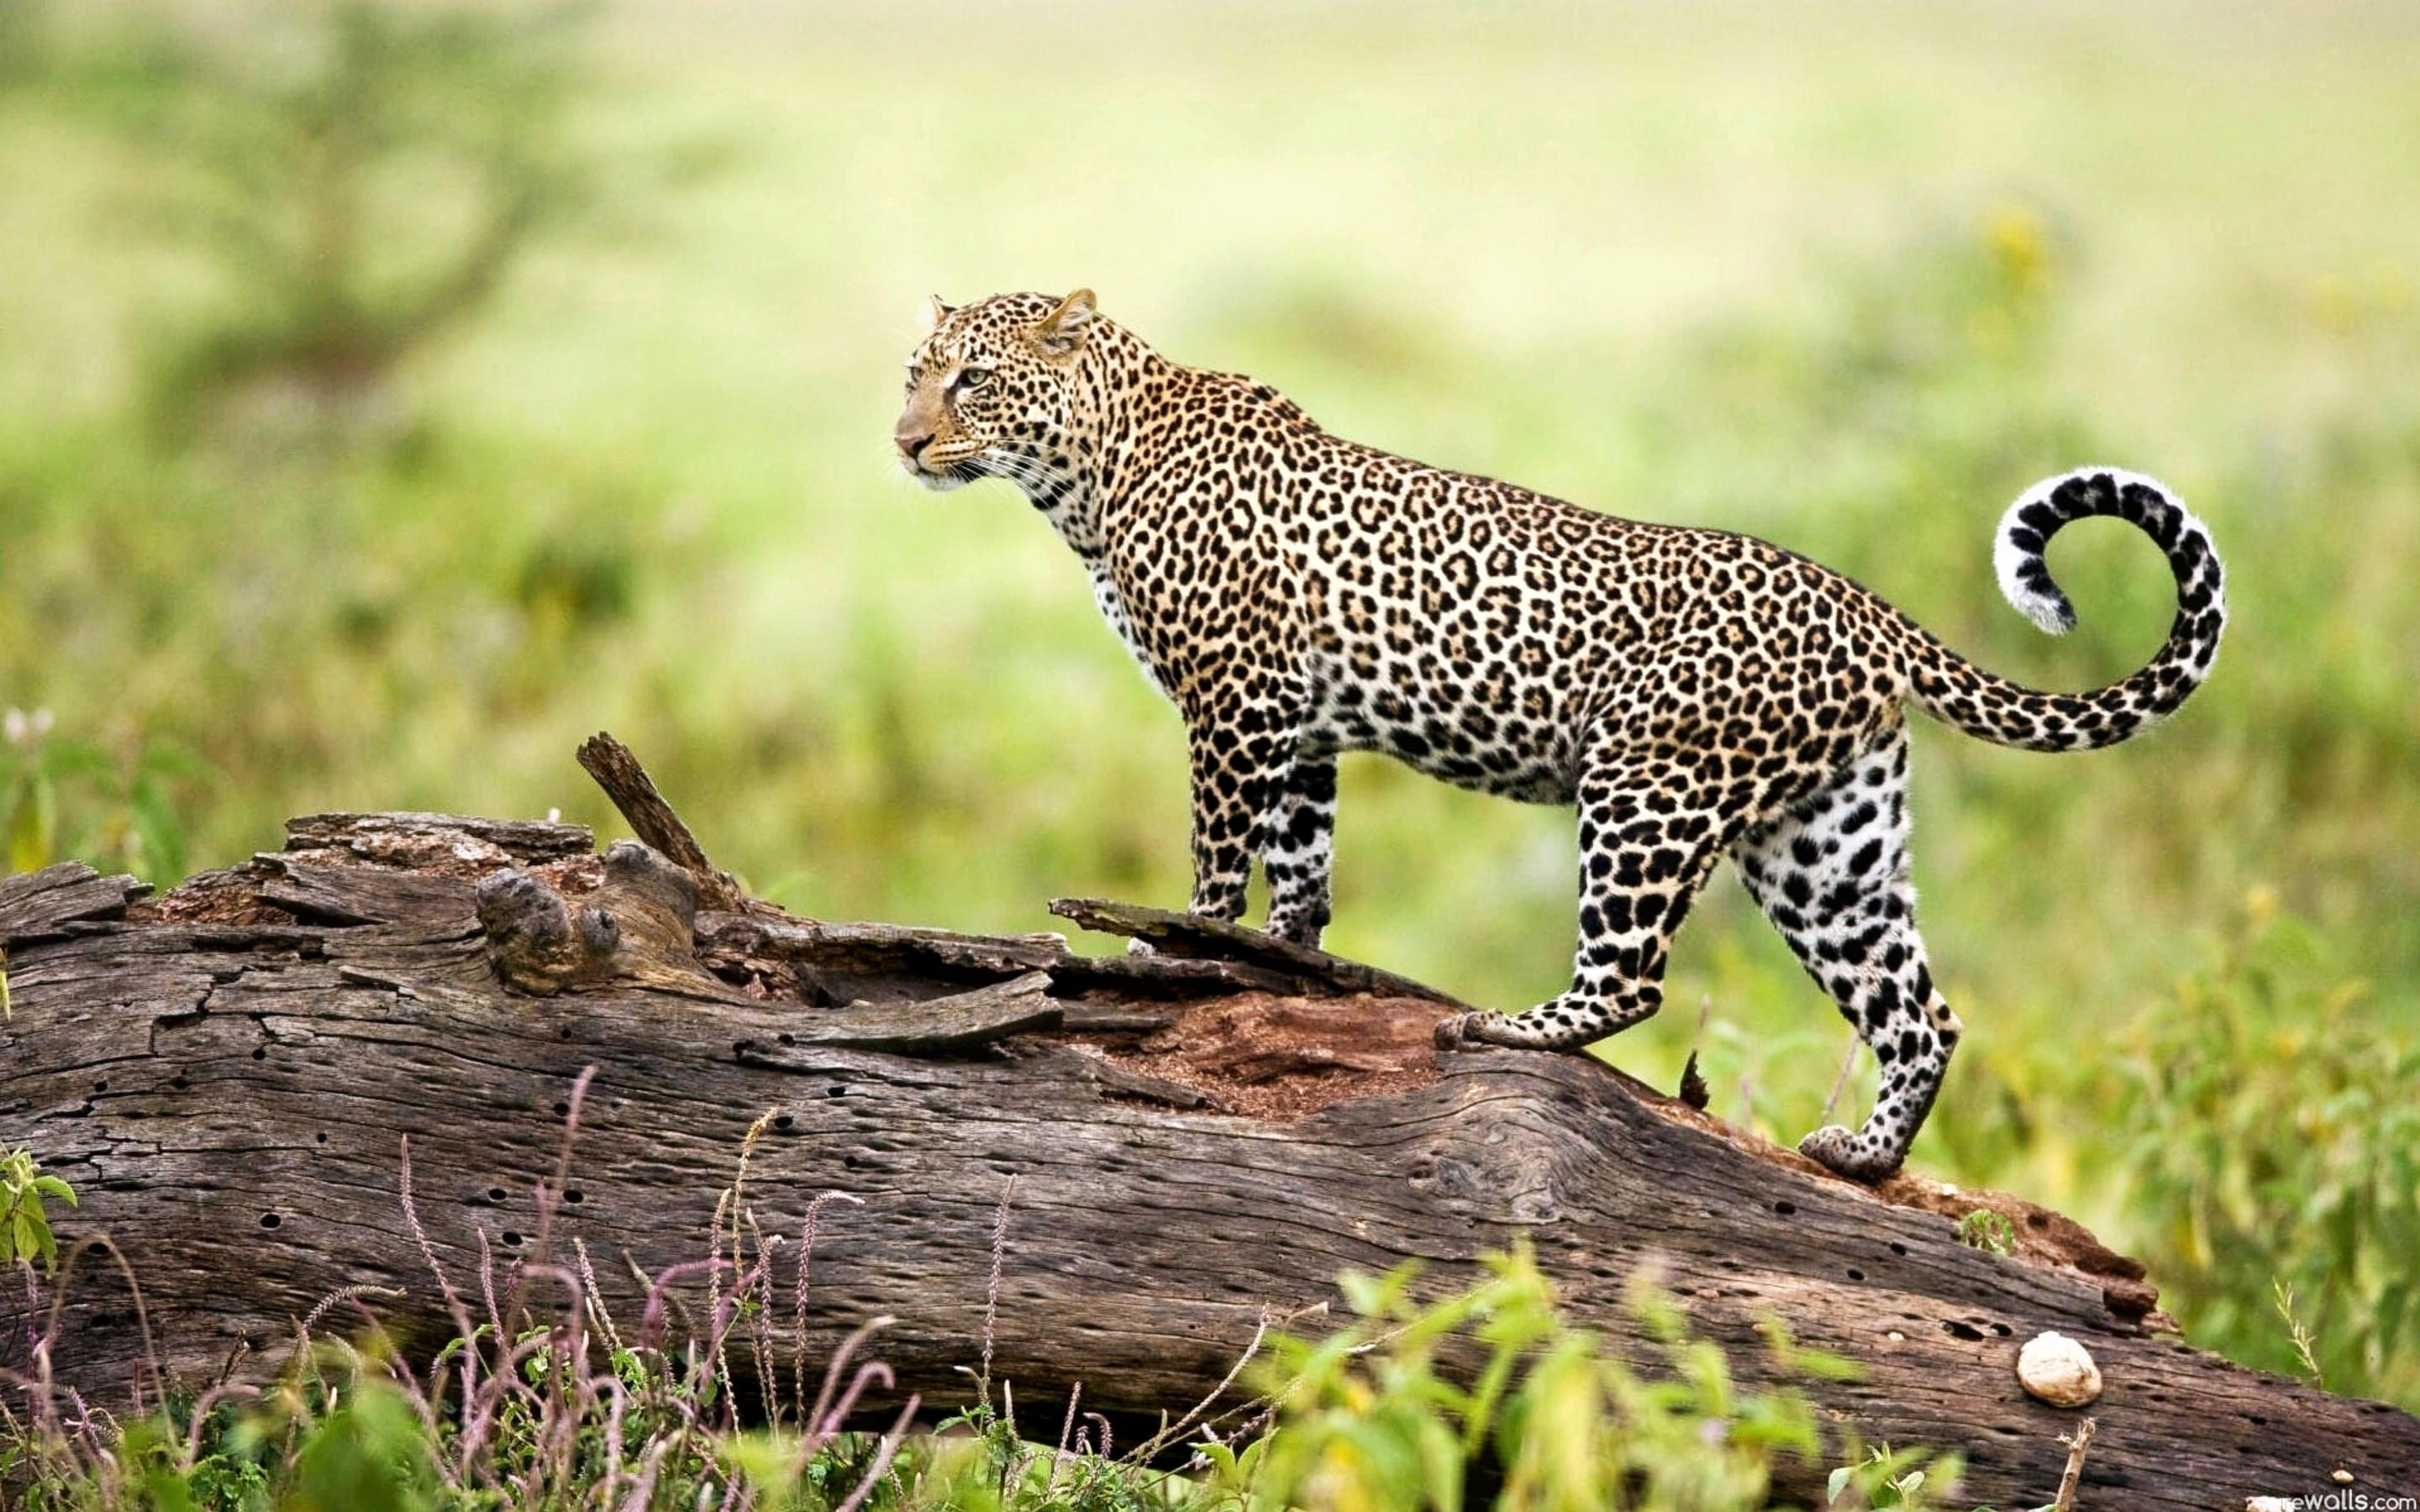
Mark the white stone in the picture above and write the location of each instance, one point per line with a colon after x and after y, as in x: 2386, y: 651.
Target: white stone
x: 2056, y: 1369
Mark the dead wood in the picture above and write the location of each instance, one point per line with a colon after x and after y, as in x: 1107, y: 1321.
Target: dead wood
x: 1200, y: 1137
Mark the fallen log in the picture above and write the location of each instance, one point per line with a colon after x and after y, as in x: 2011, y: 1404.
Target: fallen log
x: 1200, y: 1139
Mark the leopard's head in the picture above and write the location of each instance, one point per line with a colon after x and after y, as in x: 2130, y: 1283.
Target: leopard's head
x: 992, y: 390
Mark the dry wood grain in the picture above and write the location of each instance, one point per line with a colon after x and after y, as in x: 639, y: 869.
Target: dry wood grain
x: 226, y: 1074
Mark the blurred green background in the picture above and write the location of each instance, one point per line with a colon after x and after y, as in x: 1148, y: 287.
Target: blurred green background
x: 391, y: 395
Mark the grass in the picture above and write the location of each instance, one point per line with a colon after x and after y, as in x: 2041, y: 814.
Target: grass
x: 1847, y: 281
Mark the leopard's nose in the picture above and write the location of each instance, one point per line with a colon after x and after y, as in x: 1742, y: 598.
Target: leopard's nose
x: 912, y: 441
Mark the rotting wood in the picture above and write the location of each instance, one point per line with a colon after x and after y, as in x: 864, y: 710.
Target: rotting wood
x: 1186, y: 935
x: 634, y: 794
x: 956, y: 1025
x: 35, y: 903
x: 426, y: 842
x: 638, y: 928
x: 224, y: 1071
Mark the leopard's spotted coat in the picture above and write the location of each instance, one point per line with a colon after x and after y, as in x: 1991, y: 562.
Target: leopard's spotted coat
x: 1698, y: 694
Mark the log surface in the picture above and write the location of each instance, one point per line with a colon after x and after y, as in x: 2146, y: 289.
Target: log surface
x: 225, y: 1074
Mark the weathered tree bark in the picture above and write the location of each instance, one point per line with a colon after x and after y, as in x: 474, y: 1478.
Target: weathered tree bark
x: 1200, y: 1137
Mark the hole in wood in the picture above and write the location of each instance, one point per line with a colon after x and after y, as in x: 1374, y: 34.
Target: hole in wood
x: 1898, y: 1248
x: 512, y: 1236
x: 2002, y: 1329
x: 572, y: 1195
x: 101, y: 1087
x: 784, y: 1121
x: 321, y: 1136
x: 260, y: 1055
x: 1855, y: 1275
x: 269, y: 1220
x: 562, y: 1110
x: 1962, y: 1331
x: 786, y: 1037
x: 496, y: 1193
x: 1785, y: 1208
x: 835, y: 1091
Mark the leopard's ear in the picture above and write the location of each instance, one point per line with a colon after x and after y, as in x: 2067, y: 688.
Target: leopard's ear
x: 1062, y: 330
x: 936, y: 313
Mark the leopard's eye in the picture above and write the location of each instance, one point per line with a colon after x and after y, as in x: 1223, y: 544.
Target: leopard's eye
x: 973, y: 377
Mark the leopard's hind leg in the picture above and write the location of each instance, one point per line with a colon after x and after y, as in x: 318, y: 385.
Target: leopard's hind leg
x: 1299, y: 846
x: 1831, y: 872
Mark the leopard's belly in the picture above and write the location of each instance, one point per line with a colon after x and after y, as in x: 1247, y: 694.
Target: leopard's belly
x: 1459, y: 735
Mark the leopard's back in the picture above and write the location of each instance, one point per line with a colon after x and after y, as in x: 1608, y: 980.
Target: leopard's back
x: 1473, y: 629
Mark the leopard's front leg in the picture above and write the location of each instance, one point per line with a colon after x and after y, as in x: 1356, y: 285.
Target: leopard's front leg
x: 1240, y: 758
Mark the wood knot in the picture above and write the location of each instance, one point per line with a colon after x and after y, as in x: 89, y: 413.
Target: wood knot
x: 638, y: 927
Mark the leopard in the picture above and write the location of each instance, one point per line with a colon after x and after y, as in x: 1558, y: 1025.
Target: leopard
x: 1693, y: 694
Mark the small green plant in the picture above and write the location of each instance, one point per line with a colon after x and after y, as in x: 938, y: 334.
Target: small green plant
x: 2295, y: 1331
x: 1986, y: 1230
x: 61, y: 798
x: 1886, y: 1480
x: 24, y: 1225
x: 1370, y: 1417
x: 2271, y: 1125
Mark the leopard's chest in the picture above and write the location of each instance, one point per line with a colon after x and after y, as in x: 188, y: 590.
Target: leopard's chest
x: 1113, y: 609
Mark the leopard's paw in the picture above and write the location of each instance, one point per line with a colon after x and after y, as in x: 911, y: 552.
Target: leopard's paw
x: 1839, y: 1152
x: 1467, y: 1032
x: 1454, y: 1033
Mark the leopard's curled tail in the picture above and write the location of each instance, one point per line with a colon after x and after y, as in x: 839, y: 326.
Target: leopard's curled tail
x: 1949, y: 688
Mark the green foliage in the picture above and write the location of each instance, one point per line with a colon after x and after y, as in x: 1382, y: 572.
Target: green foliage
x: 24, y: 1225
x: 1369, y: 1417
x: 24, y: 35
x: 368, y: 1455
x: 1907, y: 1480
x: 1987, y: 1230
x: 2272, y: 1128
x: 62, y: 799
x: 2256, y: 1128
x: 974, y: 1462
x: 361, y: 183
x: 1404, y: 1409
